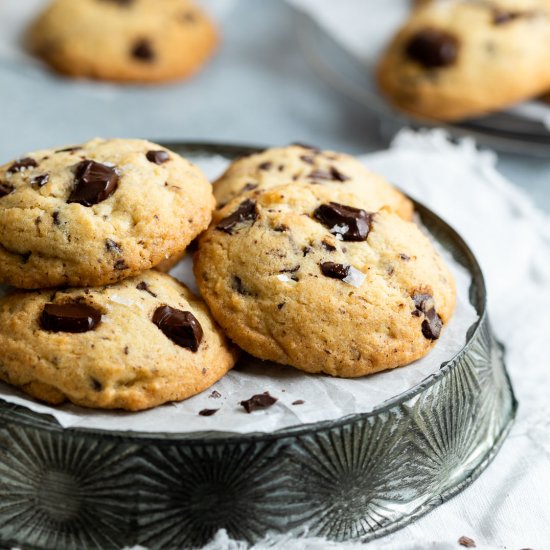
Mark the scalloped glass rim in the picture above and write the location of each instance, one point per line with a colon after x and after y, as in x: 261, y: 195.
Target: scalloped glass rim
x: 440, y: 229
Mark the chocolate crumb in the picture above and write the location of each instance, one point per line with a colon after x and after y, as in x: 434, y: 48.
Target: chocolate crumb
x: 404, y: 257
x: 298, y: 402
x: 208, y: 412
x: 259, y: 401
x: 96, y: 384
x: 126, y: 350
x: 467, y: 542
x: 306, y: 250
x: 215, y: 394
x: 308, y: 159
x: 111, y: 246
x: 281, y: 305
x: 145, y: 287
x: 121, y: 265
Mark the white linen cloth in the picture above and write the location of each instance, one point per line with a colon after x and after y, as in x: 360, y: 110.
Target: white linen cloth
x: 508, y: 507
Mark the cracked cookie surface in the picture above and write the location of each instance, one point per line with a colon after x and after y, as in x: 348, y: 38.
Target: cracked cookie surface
x: 124, y: 40
x: 457, y: 59
x: 133, y: 345
x: 94, y: 214
x: 305, y: 164
x: 303, y: 276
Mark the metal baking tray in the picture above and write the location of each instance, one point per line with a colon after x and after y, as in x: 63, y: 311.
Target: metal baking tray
x: 356, y: 478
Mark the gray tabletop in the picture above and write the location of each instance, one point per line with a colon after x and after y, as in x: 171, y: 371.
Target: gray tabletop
x: 258, y: 90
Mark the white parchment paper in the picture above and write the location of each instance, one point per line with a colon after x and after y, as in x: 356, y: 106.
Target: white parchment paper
x: 325, y: 398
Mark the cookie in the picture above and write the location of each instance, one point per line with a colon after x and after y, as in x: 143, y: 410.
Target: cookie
x: 303, y: 276
x: 124, y: 40
x: 133, y: 345
x: 458, y: 59
x: 97, y: 213
x: 304, y: 164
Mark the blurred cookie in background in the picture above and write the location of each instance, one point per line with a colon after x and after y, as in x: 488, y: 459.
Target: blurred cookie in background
x: 140, y: 41
x: 460, y: 59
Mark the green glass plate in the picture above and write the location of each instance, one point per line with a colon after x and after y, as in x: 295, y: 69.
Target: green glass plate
x: 356, y: 478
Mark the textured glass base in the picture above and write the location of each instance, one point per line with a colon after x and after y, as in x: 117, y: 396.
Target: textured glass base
x: 353, y: 479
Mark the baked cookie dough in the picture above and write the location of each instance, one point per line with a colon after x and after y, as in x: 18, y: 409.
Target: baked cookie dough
x: 305, y: 164
x: 457, y: 59
x: 124, y: 40
x: 134, y: 345
x: 94, y: 214
x: 303, y: 276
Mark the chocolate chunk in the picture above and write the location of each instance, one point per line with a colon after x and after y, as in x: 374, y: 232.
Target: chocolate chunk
x: 306, y: 146
x: 467, y: 542
x: 306, y: 250
x: 40, y: 181
x: 208, y: 412
x: 333, y: 174
x: 215, y: 395
x: 5, y: 189
x: 111, y: 246
x: 158, y: 157
x: 431, y: 326
x: 181, y: 327
x: 352, y: 224
x: 245, y: 212
x: 433, y: 48
x: 72, y: 317
x: 143, y: 51
x: 335, y: 271
x: 55, y: 217
x: 71, y: 149
x: 328, y: 246
x: 260, y: 401
x: 281, y: 228
x: 280, y: 306
x: 249, y: 187
x: 265, y: 165
x: 22, y: 164
x: 145, y: 287
x: 501, y: 17
x: 94, y: 182
x: 120, y: 265
x: 298, y: 402
x: 423, y: 302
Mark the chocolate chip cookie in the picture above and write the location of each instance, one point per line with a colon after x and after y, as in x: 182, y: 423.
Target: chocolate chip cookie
x: 124, y: 40
x: 303, y: 275
x: 133, y: 345
x: 306, y: 164
x: 458, y: 59
x: 96, y: 213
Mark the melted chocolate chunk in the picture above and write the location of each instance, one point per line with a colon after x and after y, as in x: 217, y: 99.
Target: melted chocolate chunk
x: 431, y: 326
x: 22, y: 164
x: 95, y: 182
x: 111, y: 246
x: 158, y: 157
x: 335, y: 271
x: 260, y: 401
x: 245, y: 212
x: 208, y: 412
x: 40, y: 181
x: 145, y: 287
x: 249, y: 187
x: 181, y: 327
x: 71, y: 149
x: 332, y: 174
x: 501, y: 17
x: 433, y: 48
x: 5, y: 189
x: 423, y: 303
x: 353, y: 224
x: 143, y: 51
x: 72, y: 317
x: 306, y: 146
x: 265, y: 165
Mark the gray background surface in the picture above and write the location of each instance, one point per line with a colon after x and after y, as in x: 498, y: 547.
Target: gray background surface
x: 258, y: 90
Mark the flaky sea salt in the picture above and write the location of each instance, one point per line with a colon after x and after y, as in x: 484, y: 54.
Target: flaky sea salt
x: 354, y: 277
